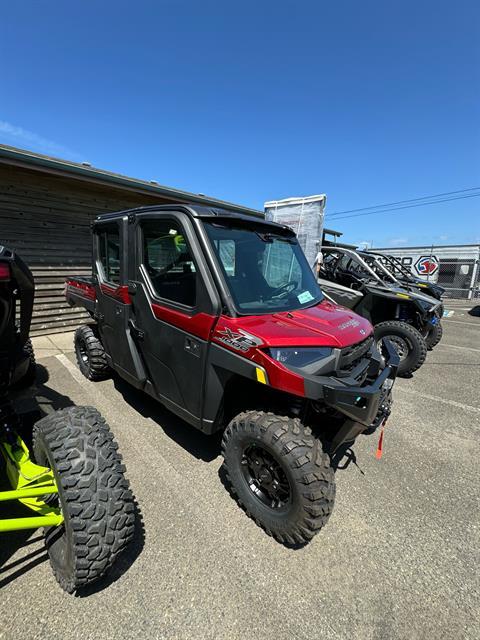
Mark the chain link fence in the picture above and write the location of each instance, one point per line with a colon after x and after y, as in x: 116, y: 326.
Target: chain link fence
x: 455, y: 268
x: 460, y: 278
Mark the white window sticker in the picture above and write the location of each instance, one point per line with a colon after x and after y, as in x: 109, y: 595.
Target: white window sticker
x: 304, y: 297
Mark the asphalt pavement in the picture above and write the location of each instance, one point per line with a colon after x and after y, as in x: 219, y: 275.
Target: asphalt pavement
x: 399, y: 557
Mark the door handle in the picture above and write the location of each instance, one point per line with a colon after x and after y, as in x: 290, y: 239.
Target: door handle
x: 192, y: 346
x: 138, y: 334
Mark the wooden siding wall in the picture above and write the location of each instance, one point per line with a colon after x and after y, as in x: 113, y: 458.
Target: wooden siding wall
x: 47, y: 220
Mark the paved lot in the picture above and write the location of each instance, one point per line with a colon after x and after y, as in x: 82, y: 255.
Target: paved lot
x: 398, y: 559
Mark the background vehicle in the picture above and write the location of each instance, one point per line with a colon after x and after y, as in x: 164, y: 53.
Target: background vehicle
x: 403, y: 275
x: 404, y: 278
x: 219, y: 317
x: 404, y: 316
x: 76, y: 486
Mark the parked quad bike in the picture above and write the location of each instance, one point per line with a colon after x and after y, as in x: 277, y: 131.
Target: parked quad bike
x: 406, y: 317
x: 74, y: 482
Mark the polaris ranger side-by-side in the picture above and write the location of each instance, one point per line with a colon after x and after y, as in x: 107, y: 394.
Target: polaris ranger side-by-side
x: 362, y: 284
x: 219, y: 317
x: 72, y: 480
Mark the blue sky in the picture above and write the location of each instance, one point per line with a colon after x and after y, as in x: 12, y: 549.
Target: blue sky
x: 369, y: 102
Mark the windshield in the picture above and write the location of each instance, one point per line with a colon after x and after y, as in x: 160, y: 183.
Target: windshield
x: 264, y: 272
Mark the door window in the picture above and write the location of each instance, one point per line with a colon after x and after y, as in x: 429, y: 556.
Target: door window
x: 109, y: 252
x: 168, y: 261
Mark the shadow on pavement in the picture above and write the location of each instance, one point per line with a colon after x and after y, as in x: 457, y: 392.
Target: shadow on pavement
x: 201, y: 446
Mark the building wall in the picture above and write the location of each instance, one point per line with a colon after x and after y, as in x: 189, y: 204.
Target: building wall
x: 46, y: 219
x: 458, y: 267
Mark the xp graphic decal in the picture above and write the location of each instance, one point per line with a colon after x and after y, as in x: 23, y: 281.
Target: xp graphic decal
x: 427, y: 265
x: 239, y: 340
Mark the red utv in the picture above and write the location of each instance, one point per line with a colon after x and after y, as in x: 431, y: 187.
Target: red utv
x: 219, y: 317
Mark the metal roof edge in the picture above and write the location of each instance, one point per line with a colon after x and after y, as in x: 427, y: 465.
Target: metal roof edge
x: 30, y: 159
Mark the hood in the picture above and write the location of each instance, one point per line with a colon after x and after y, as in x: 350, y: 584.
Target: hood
x: 427, y: 287
x: 324, y: 325
x: 412, y: 292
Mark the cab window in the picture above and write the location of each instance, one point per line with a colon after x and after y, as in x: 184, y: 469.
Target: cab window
x: 169, y: 262
x: 109, y: 252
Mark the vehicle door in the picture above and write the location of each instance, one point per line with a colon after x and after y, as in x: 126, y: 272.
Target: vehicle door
x: 113, y: 301
x: 174, y: 309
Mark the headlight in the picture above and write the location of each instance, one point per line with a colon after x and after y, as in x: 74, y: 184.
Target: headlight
x: 298, y: 356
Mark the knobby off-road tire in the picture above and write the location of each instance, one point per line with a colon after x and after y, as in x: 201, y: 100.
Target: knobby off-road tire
x: 91, y: 356
x: 31, y: 374
x: 301, y: 462
x: 93, y: 494
x: 407, y: 341
x: 434, y: 336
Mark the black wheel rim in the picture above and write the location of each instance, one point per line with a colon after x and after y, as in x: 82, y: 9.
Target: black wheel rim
x: 82, y: 351
x: 401, y: 346
x: 265, y: 477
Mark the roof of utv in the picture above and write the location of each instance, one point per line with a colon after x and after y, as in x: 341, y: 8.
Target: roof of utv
x: 198, y: 211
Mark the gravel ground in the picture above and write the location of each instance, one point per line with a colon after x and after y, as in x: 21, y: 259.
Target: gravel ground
x: 398, y: 559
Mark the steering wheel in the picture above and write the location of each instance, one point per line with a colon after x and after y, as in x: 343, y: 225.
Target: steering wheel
x: 284, y: 290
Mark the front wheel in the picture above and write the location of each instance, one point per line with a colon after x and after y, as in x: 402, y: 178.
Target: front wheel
x: 407, y: 341
x: 279, y: 474
x: 434, y: 336
x: 93, y: 495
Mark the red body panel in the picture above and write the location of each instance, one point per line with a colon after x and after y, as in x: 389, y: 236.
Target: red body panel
x: 198, y: 324
x: 325, y: 325
x: 81, y: 288
x: 119, y: 293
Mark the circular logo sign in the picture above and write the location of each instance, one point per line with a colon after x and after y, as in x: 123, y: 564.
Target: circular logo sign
x: 427, y: 265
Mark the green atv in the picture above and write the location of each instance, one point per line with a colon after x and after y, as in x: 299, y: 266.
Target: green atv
x: 74, y: 486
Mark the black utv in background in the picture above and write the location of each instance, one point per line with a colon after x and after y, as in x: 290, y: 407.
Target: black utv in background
x: 406, y: 317
x: 396, y: 273
x: 404, y: 276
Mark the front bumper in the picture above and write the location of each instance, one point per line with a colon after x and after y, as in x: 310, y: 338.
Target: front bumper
x: 366, y: 405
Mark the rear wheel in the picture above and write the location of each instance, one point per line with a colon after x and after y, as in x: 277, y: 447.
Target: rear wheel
x: 91, y: 356
x: 434, y: 335
x: 93, y: 495
x: 279, y: 474
x: 31, y: 373
x: 408, y: 342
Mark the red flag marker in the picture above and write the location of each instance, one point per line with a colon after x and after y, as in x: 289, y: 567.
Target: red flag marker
x: 379, y: 451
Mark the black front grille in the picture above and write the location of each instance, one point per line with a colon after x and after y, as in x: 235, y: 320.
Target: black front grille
x: 351, y: 357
